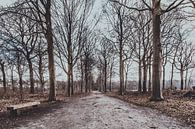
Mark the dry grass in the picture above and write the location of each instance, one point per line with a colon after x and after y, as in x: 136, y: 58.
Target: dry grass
x: 12, y: 98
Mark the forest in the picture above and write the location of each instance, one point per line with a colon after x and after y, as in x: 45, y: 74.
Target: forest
x: 55, y: 53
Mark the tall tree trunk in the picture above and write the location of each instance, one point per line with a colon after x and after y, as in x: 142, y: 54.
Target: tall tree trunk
x: 82, y: 75
x: 121, y: 75
x: 69, y: 83
x: 49, y: 38
x: 157, y: 63
x: 110, y: 87
x: 111, y: 68
x: 126, y: 77
x: 105, y: 76
x: 72, y: 82
x: 182, y: 77
x: 41, y: 74
x: 4, y: 76
x: 70, y: 77
x: 172, y: 73
x: 150, y: 77
x: 70, y: 63
x: 144, y: 77
x: 20, y: 80
x: 163, y: 87
x: 86, y: 78
x: 32, y: 91
x: 186, y: 79
x: 12, y: 78
x: 140, y: 77
x: 21, y: 86
x: 121, y: 69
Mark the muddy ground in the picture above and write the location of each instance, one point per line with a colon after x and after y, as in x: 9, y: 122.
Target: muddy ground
x: 98, y: 111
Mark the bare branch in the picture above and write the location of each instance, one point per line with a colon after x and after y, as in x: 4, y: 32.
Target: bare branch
x: 131, y: 8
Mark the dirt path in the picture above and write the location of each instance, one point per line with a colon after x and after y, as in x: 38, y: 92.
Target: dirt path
x: 98, y: 111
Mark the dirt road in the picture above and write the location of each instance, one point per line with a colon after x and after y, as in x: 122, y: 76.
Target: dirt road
x: 98, y: 111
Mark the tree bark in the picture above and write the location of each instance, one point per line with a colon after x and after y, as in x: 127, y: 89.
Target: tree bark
x: 172, y: 72
x: 144, y: 77
x: 49, y: 38
x: 121, y: 76
x: 111, y: 68
x: 140, y: 78
x: 186, y: 79
x: 150, y: 76
x: 86, y: 77
x: 20, y: 80
x: 12, y: 78
x: 41, y: 74
x: 182, y: 78
x: 4, y: 76
x: 31, y: 77
x: 163, y: 87
x: 82, y: 75
x: 126, y: 77
x: 105, y: 75
x: 72, y: 81
x: 157, y: 63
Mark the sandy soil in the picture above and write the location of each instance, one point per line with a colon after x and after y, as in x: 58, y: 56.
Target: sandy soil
x: 98, y: 111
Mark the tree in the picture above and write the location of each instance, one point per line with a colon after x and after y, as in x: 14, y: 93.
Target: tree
x: 20, y: 66
x: 105, y: 57
x: 41, y: 61
x: 88, y: 57
x: 157, y: 11
x: 184, y: 59
x: 117, y: 16
x: 41, y: 11
x: 21, y: 36
x: 141, y: 34
x: 72, y: 20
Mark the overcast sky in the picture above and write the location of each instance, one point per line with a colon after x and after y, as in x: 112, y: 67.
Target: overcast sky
x: 6, y: 2
x: 97, y: 9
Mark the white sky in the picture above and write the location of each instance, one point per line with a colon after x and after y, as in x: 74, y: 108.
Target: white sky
x: 6, y: 2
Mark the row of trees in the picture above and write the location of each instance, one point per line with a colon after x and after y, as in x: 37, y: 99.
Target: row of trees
x: 152, y: 35
x: 36, y: 34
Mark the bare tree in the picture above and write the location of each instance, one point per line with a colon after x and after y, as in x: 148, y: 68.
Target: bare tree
x: 41, y: 63
x: 21, y: 36
x: 157, y: 11
x: 118, y: 18
x: 184, y: 59
x: 73, y: 18
x: 41, y: 11
x: 105, y: 57
x: 88, y: 57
